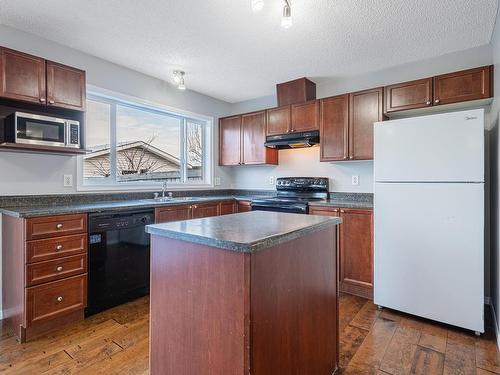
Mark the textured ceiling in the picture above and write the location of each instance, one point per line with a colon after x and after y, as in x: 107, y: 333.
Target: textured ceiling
x: 232, y: 54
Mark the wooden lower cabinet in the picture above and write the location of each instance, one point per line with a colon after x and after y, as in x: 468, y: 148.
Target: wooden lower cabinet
x: 45, y: 280
x: 194, y: 211
x: 227, y: 207
x: 355, y: 243
x: 173, y: 213
x: 244, y: 206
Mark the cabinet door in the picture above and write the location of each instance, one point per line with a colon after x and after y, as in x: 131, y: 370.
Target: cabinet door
x: 172, y: 213
x: 226, y: 208
x: 205, y: 210
x: 244, y: 206
x: 279, y: 120
x: 462, y: 86
x: 305, y: 116
x: 65, y: 86
x: 253, y: 127
x: 356, y: 252
x: 22, y: 76
x: 334, y: 128
x: 408, y: 95
x: 230, y: 141
x: 365, y: 108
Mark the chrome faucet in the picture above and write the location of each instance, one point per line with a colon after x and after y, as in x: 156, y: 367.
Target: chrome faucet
x: 164, y: 189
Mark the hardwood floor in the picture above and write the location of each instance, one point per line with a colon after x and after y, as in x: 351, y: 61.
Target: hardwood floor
x: 372, y: 342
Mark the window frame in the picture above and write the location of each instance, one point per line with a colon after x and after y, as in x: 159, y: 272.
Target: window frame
x: 111, y: 182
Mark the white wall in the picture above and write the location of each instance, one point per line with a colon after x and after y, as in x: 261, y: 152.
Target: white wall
x: 306, y: 162
x: 43, y: 174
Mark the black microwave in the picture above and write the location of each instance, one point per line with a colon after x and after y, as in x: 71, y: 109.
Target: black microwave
x: 41, y: 130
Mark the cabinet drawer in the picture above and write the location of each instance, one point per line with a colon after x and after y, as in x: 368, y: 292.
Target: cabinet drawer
x: 52, y: 248
x: 52, y: 226
x: 42, y: 272
x: 55, y: 299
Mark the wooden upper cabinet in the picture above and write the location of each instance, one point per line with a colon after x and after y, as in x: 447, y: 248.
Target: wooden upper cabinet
x: 65, y: 86
x: 356, y: 251
x: 365, y: 108
x: 230, y: 141
x: 279, y: 120
x: 253, y: 127
x: 408, y: 95
x: 471, y: 84
x: 334, y: 127
x: 22, y: 76
x: 305, y: 116
x: 296, y: 91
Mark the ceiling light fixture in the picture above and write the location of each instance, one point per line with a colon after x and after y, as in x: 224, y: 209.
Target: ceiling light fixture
x: 179, y: 79
x: 257, y: 5
x: 286, y: 20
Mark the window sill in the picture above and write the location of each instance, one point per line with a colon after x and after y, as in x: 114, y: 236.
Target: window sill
x: 139, y: 187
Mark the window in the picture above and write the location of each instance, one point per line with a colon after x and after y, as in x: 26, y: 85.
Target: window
x: 135, y: 144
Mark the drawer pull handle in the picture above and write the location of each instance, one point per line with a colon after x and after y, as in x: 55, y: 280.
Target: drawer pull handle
x: 59, y: 269
x: 59, y: 299
x: 59, y: 226
x: 59, y: 247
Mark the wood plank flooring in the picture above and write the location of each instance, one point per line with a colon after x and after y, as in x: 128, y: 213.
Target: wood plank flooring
x: 373, y: 342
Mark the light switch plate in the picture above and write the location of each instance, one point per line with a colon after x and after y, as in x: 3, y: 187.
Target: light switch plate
x: 68, y: 180
x: 355, y: 180
x: 217, y: 181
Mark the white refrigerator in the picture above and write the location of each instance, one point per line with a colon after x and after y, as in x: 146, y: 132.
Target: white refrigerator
x: 429, y: 217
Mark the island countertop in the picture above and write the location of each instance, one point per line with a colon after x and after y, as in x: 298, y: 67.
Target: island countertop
x: 244, y: 232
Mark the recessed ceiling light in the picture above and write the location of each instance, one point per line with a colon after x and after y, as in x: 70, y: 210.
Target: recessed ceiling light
x: 257, y: 5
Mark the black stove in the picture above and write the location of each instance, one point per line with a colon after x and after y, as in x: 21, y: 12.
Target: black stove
x: 293, y: 195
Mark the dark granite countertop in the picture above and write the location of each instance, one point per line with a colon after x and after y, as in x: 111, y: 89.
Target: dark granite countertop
x: 244, y: 232
x: 346, y: 200
x: 121, y: 205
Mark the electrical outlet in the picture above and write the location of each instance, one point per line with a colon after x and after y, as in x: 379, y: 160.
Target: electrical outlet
x: 217, y: 181
x: 68, y: 180
x: 355, y: 180
x: 271, y: 180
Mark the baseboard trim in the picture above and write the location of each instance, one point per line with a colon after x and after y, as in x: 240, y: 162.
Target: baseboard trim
x: 495, y: 323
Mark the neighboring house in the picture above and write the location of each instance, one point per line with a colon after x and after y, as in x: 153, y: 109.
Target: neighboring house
x: 137, y: 161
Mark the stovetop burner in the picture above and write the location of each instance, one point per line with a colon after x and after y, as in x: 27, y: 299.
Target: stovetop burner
x: 293, y: 194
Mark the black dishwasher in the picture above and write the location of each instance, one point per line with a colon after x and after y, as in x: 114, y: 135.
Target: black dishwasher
x: 119, y: 257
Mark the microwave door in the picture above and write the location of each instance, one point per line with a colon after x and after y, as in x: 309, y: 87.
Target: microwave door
x: 40, y: 131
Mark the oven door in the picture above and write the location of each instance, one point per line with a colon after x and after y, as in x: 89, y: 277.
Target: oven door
x: 40, y: 130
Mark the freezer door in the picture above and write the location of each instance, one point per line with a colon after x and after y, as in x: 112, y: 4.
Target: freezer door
x: 429, y: 251
x: 444, y: 147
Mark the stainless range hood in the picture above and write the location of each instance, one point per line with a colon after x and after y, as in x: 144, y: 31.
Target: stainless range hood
x: 293, y: 140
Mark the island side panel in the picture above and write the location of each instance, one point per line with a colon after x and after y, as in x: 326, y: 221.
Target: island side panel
x: 13, y: 249
x: 294, y: 306
x: 198, y: 300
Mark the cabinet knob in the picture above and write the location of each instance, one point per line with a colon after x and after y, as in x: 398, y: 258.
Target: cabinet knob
x: 428, y: 102
x: 342, y: 211
x: 59, y: 269
x: 59, y: 299
x: 59, y: 247
x: 345, y: 157
x: 59, y: 226
x: 42, y: 100
x: 51, y: 102
x: 195, y: 206
x: 436, y: 101
x: 351, y: 157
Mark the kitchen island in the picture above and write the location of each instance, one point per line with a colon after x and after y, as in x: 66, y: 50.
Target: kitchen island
x: 249, y: 292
